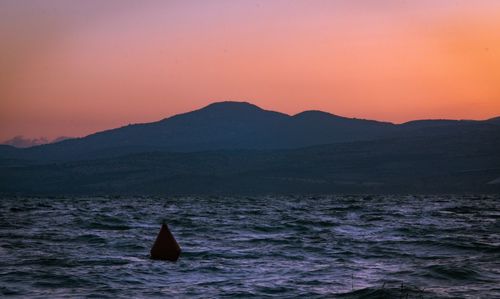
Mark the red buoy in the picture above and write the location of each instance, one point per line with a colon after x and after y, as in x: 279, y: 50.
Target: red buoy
x: 165, y: 246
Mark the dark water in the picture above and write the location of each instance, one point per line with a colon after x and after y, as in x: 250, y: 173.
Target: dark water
x: 324, y: 247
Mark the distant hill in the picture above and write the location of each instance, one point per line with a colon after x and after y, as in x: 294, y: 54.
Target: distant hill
x: 495, y: 120
x: 230, y: 125
x: 233, y: 147
x: 465, y: 162
x: 6, y: 150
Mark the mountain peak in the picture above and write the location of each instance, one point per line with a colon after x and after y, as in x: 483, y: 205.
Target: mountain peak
x: 232, y: 106
x: 229, y: 110
x: 316, y: 114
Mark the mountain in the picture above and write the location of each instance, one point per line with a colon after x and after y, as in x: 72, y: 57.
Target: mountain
x: 466, y: 162
x: 495, y: 120
x: 225, y: 125
x: 234, y: 147
x: 233, y: 125
x: 6, y: 150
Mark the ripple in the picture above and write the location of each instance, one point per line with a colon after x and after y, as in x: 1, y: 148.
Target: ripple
x: 273, y: 246
x: 452, y: 272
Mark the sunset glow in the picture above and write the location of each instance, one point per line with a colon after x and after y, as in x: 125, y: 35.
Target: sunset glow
x: 70, y: 68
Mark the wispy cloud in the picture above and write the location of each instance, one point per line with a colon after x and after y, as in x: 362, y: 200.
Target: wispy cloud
x: 23, y: 142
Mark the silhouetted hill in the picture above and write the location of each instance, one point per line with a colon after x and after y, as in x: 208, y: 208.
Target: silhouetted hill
x: 232, y: 125
x: 233, y: 147
x: 432, y: 123
x: 6, y: 148
x: 495, y: 120
x: 225, y: 125
x: 317, y: 127
x: 468, y: 161
x: 7, y: 151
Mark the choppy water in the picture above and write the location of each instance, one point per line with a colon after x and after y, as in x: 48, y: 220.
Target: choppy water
x: 323, y: 247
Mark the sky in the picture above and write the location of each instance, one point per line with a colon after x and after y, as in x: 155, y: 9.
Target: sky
x: 74, y: 67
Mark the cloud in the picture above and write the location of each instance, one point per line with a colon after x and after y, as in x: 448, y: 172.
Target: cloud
x: 23, y: 142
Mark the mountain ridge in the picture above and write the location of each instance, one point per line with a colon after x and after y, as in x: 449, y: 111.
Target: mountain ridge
x: 243, y: 105
x: 233, y: 125
x: 425, y: 164
x: 240, y: 148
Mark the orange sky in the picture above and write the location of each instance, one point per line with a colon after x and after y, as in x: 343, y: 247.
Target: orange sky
x: 70, y: 68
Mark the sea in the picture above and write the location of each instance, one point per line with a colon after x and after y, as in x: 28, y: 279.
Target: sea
x: 331, y: 246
